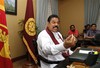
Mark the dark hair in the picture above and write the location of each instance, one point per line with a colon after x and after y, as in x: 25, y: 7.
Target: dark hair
x: 52, y: 16
x: 87, y: 25
x: 71, y: 26
x: 93, y: 24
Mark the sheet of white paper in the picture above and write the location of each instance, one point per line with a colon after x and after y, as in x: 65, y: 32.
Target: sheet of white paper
x: 84, y: 51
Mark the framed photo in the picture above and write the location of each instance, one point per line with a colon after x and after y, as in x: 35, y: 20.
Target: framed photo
x: 11, y: 7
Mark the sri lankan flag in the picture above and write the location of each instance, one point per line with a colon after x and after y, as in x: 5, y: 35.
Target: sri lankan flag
x: 29, y: 32
x: 5, y: 60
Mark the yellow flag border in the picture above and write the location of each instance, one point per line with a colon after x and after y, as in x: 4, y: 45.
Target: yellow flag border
x: 29, y: 50
x: 3, y: 26
x: 2, y: 7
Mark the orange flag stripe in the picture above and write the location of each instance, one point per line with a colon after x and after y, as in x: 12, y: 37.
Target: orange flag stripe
x: 2, y: 5
x: 1, y: 2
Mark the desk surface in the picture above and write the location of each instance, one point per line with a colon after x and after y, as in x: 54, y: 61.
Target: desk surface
x: 76, y: 56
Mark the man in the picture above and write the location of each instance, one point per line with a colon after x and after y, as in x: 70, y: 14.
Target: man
x: 51, y: 44
x: 92, y: 32
x: 91, y: 35
x: 73, y: 31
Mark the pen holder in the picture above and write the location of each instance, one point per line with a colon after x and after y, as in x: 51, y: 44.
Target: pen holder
x: 91, y: 58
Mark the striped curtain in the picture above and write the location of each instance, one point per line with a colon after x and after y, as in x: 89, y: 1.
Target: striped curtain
x: 54, y: 6
x: 98, y: 21
x: 42, y: 13
x: 91, y: 11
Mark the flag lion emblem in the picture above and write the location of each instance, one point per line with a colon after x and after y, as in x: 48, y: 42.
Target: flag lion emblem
x: 30, y: 27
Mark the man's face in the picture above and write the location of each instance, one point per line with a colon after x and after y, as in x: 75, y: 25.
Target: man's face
x: 93, y: 27
x: 53, y: 25
x: 73, y: 28
x: 88, y: 27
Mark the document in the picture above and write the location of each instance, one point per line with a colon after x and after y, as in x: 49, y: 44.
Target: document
x: 85, y: 51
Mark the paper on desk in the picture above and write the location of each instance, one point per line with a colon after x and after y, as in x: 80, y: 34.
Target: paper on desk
x: 84, y: 51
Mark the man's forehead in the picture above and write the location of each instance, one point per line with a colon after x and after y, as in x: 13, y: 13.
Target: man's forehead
x: 93, y: 25
x: 72, y: 27
x: 54, y: 18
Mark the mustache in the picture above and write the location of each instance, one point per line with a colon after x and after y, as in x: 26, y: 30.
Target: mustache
x: 55, y: 27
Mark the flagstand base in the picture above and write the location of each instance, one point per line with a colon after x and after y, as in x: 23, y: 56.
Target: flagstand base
x: 29, y: 64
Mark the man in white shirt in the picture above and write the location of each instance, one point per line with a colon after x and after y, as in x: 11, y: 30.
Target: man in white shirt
x: 51, y: 44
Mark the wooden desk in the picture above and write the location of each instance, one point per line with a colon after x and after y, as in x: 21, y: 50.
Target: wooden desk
x: 73, y: 65
x: 95, y: 47
x: 76, y: 62
x: 78, y: 65
x: 78, y: 57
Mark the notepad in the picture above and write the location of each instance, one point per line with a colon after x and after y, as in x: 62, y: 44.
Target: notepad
x: 85, y: 51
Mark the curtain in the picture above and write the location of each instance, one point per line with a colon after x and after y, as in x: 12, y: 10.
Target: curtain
x: 41, y: 15
x: 54, y: 6
x: 91, y: 11
x: 44, y: 9
x: 98, y: 21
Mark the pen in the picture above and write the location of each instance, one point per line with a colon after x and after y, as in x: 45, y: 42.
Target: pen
x: 92, y: 51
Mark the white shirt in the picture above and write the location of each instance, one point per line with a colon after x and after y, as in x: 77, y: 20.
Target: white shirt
x: 48, y: 49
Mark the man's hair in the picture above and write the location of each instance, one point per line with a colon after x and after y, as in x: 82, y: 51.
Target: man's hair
x: 87, y: 25
x: 93, y: 24
x: 52, y: 16
x: 71, y: 26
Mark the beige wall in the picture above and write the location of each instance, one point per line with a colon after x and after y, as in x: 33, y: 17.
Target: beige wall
x: 71, y: 12
x: 17, y: 48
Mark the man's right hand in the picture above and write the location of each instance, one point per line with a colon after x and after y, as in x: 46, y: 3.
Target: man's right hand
x: 70, y: 41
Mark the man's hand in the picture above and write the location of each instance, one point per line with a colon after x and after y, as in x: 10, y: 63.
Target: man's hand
x: 70, y: 41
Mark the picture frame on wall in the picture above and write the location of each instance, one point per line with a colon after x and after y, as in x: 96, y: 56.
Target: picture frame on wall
x: 11, y: 7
